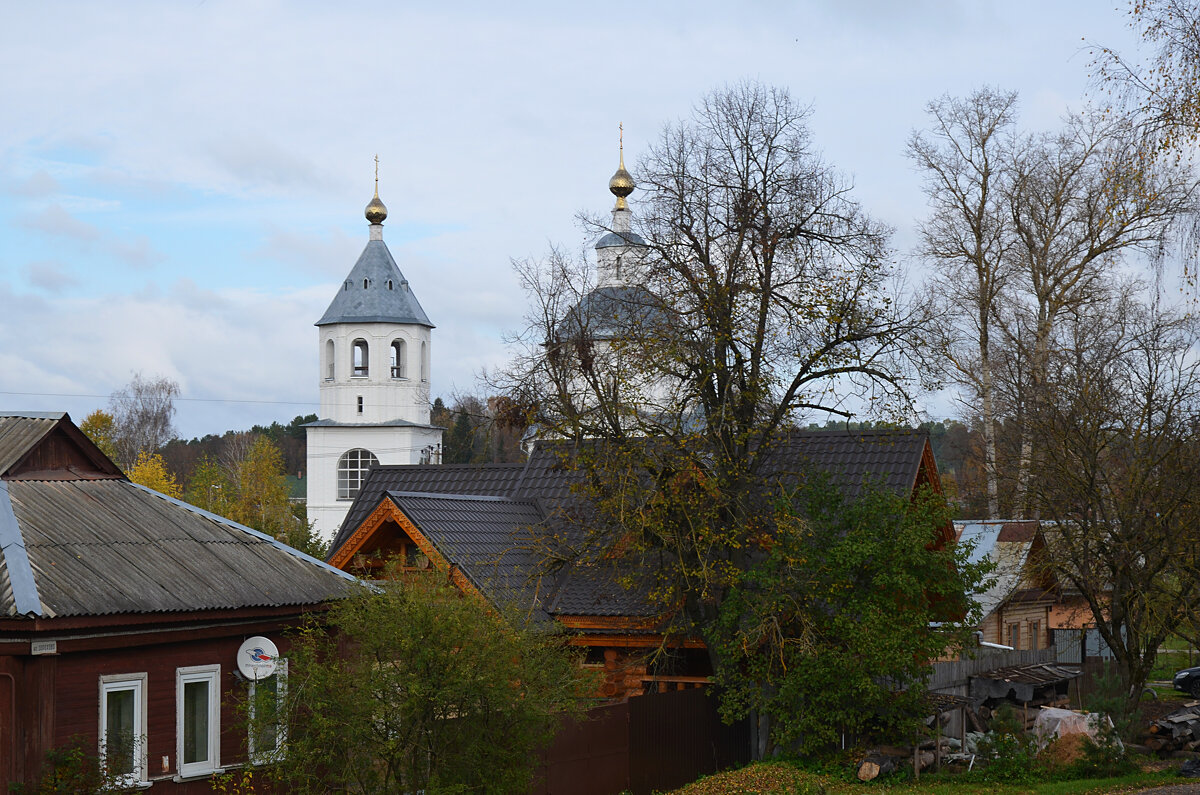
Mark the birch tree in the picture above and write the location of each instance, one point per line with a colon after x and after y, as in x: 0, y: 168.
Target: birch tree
x: 965, y: 157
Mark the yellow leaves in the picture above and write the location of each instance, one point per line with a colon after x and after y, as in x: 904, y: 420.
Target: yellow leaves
x: 151, y: 471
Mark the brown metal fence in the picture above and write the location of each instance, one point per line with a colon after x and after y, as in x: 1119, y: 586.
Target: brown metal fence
x: 652, y: 742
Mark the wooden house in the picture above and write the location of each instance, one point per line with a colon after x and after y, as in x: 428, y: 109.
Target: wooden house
x: 1017, y: 606
x: 123, y: 613
x: 486, y: 526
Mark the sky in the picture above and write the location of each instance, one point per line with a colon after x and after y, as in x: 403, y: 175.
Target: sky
x: 182, y: 184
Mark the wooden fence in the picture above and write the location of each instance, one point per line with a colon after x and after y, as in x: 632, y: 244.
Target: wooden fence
x: 654, y: 742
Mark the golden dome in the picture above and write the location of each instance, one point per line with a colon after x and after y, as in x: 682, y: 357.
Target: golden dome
x: 376, y: 210
x: 621, y: 184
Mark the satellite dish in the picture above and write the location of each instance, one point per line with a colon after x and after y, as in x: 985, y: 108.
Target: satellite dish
x: 257, y: 658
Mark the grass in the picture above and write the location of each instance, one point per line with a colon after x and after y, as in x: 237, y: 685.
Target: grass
x: 785, y: 778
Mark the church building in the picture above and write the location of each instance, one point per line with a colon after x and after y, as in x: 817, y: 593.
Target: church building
x: 375, y: 354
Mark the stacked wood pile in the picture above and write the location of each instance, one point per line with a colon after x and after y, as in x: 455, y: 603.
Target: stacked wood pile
x: 1178, y: 731
x: 890, y: 758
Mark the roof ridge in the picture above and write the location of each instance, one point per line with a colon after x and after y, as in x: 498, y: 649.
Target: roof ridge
x: 439, y: 495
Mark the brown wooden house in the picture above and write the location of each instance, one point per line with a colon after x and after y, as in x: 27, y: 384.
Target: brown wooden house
x: 123, y: 611
x: 487, y: 525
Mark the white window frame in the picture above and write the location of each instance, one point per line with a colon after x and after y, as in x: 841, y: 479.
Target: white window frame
x: 110, y: 683
x: 350, y: 480
x: 184, y: 676
x: 261, y: 756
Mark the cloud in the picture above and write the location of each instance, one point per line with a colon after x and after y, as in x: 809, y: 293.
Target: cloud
x: 54, y: 221
x: 37, y: 185
x: 264, y: 163
x: 50, y: 276
x: 329, y: 255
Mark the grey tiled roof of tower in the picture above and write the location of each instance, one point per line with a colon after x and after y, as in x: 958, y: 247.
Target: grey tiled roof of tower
x: 386, y: 298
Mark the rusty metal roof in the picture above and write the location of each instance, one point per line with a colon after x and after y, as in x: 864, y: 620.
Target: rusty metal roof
x: 1032, y: 673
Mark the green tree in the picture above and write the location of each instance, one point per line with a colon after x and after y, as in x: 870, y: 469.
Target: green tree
x: 833, y: 629
x: 99, y: 426
x: 248, y: 486
x: 150, y: 471
x: 414, y: 687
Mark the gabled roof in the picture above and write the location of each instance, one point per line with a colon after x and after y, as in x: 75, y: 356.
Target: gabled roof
x: 97, y: 546
x: 387, y: 297
x: 1007, y: 544
x: 39, y: 440
x: 20, y: 430
x: 494, y: 480
x: 856, y: 459
x: 487, y: 539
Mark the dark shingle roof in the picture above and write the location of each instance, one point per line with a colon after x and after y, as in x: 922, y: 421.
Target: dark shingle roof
x: 605, y: 589
x: 488, y: 539
x: 375, y: 303
x: 98, y: 547
x: 890, y: 459
x: 492, y: 480
x: 482, y: 515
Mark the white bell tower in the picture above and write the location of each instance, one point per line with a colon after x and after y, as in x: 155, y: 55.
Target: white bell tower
x: 375, y: 354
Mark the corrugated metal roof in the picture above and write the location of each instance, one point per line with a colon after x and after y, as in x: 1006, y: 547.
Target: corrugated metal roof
x: 386, y: 298
x: 20, y: 430
x: 1032, y: 674
x: 990, y: 540
x: 100, y: 547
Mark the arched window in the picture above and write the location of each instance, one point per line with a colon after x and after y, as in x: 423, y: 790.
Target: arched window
x: 360, y: 359
x: 329, y: 360
x: 399, y: 359
x: 352, y: 471
x: 424, y: 361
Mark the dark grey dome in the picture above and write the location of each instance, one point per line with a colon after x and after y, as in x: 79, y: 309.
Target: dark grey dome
x: 608, y: 313
x: 614, y: 239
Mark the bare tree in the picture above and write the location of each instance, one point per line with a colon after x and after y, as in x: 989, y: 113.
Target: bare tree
x: 1079, y: 200
x: 1119, y: 426
x: 142, y: 412
x: 1163, y: 94
x: 965, y: 158
x: 764, y: 293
